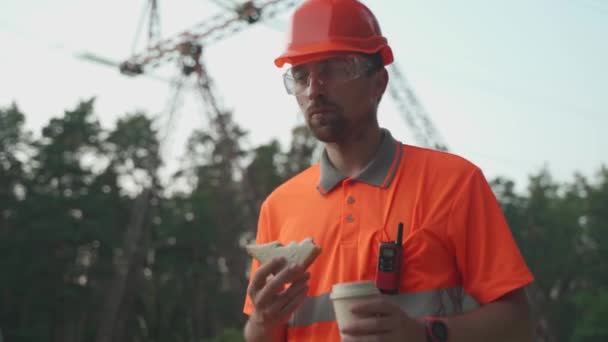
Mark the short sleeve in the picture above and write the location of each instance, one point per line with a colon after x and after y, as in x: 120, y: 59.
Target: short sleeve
x: 487, y: 255
x: 263, y: 235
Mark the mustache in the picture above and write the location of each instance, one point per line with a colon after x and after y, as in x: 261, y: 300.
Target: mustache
x: 320, y: 106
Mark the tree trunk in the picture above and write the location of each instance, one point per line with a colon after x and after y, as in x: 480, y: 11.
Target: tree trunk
x: 126, y: 311
x: 68, y: 326
x: 542, y: 323
x: 115, y: 293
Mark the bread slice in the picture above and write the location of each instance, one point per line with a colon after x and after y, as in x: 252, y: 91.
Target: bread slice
x: 302, y: 253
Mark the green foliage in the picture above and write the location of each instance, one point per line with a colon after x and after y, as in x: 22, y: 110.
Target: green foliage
x: 559, y: 228
x: 228, y: 335
x: 590, y: 326
x: 68, y: 211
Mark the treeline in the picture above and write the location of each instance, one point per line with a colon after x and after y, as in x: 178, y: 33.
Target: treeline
x: 95, y: 247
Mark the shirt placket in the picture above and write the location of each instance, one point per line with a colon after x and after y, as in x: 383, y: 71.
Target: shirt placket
x: 351, y: 215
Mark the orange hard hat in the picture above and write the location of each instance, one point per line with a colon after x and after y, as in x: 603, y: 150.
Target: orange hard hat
x: 323, y: 28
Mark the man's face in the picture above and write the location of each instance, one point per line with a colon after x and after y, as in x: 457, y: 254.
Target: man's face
x: 338, y: 96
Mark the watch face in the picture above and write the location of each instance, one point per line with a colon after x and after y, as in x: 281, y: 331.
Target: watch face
x: 439, y: 330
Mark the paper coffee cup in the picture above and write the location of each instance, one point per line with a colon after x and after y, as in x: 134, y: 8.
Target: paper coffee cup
x: 345, y: 295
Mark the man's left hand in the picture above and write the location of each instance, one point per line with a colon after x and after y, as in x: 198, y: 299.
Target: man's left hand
x: 379, y: 319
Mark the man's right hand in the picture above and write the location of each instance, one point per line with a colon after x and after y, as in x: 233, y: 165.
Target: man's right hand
x: 274, y: 302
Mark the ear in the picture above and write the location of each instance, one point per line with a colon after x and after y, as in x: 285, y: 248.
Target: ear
x: 380, y: 83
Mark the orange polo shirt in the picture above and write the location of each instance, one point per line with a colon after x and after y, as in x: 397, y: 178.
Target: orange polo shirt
x: 456, y: 240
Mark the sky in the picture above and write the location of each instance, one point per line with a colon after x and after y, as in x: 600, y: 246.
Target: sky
x: 513, y: 86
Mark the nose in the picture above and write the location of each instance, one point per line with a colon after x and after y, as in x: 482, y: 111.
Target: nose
x: 316, y: 85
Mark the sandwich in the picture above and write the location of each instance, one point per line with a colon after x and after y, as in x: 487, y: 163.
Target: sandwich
x: 302, y: 253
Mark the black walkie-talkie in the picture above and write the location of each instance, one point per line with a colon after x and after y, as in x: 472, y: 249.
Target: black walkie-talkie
x: 390, y: 255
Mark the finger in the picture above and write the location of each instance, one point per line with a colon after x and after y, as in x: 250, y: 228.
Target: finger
x: 292, y: 305
x: 374, y: 307
x: 277, y: 284
x: 262, y: 274
x: 285, y: 298
x: 369, y: 326
x: 290, y: 274
x: 291, y: 291
x: 300, y: 276
x: 296, y: 278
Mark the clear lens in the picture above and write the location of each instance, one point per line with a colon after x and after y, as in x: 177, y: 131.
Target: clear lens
x: 288, y: 81
x: 330, y: 72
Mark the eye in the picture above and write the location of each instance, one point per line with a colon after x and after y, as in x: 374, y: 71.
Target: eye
x: 299, y: 75
x: 341, y: 67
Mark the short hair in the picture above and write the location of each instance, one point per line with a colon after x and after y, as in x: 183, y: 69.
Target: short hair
x: 376, y: 61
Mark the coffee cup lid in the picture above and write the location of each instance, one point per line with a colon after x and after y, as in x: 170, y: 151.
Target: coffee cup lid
x: 353, y: 289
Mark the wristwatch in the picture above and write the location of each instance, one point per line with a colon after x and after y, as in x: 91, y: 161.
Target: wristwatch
x: 436, y: 329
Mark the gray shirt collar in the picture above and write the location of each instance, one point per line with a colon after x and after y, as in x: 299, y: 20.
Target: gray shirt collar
x: 379, y: 172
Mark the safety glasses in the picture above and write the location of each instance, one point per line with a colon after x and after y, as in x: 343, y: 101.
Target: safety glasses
x: 330, y: 72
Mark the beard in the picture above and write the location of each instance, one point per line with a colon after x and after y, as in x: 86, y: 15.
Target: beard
x: 325, y: 119
x: 329, y: 127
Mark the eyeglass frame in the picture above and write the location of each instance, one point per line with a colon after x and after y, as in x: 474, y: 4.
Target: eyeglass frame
x: 363, y: 65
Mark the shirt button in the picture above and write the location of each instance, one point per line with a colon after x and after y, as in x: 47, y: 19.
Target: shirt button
x: 350, y: 200
x: 350, y: 218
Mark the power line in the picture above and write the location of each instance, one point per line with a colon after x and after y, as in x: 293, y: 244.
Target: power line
x: 533, y: 98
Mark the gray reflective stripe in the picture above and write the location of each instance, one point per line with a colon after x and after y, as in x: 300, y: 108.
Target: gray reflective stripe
x: 435, y: 302
x: 418, y: 304
x: 313, y: 310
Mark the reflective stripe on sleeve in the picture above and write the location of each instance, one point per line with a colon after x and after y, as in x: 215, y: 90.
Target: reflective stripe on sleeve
x: 417, y: 304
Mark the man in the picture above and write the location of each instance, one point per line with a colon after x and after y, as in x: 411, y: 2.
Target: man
x: 462, y: 277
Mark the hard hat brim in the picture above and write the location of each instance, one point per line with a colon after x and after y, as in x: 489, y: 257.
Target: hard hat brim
x: 326, y: 50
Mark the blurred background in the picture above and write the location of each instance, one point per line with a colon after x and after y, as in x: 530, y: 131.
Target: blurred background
x: 138, y: 139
